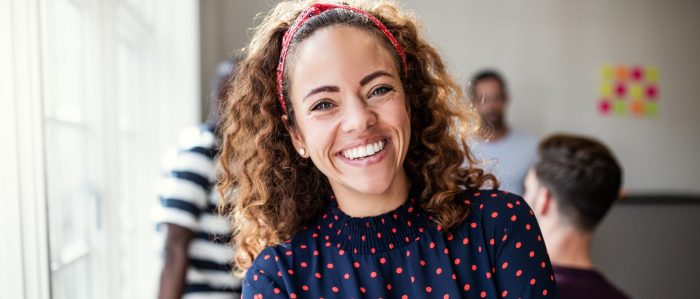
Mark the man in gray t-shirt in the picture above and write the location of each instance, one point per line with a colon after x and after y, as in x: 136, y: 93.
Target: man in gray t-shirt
x: 505, y: 152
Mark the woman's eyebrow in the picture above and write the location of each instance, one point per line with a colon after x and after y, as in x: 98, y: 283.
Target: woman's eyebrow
x: 325, y: 88
x: 372, y: 76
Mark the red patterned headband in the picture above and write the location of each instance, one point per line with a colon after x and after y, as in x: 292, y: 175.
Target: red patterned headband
x: 314, y: 10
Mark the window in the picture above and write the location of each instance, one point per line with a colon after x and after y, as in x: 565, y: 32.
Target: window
x: 97, y: 92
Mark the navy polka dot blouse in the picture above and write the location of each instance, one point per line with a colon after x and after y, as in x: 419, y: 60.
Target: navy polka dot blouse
x: 497, y: 252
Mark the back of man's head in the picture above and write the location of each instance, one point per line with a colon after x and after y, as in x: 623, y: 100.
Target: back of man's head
x: 583, y: 176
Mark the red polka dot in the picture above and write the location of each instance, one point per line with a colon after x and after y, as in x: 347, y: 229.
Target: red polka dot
x: 318, y: 275
x: 290, y: 271
x: 305, y: 287
x: 346, y: 276
x: 488, y: 275
x: 527, y: 226
x: 438, y: 271
x: 473, y: 267
x: 532, y: 281
x: 341, y: 252
x: 356, y: 264
x: 255, y: 277
x: 467, y: 287
x: 465, y: 241
x: 432, y: 245
x: 404, y: 297
x: 483, y: 294
x: 408, y: 253
x: 276, y: 290
x: 335, y: 289
x: 518, y: 245
x: 518, y: 273
x: 446, y: 296
x: 544, y: 292
x: 399, y: 270
x: 513, y: 218
x: 363, y: 290
x: 330, y: 265
x: 532, y: 253
x: 428, y: 289
x: 303, y: 264
x: 504, y: 266
x: 543, y: 265
x: 293, y: 295
x: 388, y: 286
x: 492, y: 242
x: 373, y: 274
x: 382, y: 261
x: 494, y: 214
x: 457, y: 261
x: 504, y: 294
x: 379, y: 235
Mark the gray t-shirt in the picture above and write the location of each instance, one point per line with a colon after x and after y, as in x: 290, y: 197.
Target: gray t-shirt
x: 508, y: 158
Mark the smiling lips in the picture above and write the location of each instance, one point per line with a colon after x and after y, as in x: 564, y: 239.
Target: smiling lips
x: 364, y: 151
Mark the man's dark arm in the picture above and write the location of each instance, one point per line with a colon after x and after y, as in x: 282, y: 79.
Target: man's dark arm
x: 172, y: 277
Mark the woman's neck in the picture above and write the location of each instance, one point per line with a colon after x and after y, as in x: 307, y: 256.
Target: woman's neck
x: 357, y: 204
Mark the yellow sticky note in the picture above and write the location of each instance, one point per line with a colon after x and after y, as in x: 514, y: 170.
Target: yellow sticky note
x: 651, y: 74
x: 606, y: 72
x: 605, y: 90
x: 636, y: 91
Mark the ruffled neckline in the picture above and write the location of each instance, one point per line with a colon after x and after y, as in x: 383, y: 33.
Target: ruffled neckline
x: 375, y: 234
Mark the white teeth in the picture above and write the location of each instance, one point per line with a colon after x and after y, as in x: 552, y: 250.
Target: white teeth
x: 364, y: 150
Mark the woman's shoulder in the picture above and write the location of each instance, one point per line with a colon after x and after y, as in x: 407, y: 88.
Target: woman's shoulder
x: 493, y: 207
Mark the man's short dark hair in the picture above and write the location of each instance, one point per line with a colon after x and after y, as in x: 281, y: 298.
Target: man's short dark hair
x: 487, y: 75
x: 583, y: 176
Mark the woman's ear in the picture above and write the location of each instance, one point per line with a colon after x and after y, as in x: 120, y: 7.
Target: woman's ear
x: 297, y: 139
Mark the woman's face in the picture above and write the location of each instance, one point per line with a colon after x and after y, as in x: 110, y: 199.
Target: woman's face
x: 350, y: 111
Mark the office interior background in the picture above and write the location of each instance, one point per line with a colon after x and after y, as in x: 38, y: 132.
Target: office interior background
x: 94, y: 92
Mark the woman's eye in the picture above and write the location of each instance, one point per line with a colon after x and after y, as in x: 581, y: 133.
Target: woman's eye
x: 380, y: 91
x: 322, y: 106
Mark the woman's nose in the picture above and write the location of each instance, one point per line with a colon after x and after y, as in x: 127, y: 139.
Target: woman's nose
x: 357, y: 115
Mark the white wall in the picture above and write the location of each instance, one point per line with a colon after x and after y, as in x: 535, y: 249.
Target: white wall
x: 551, y: 52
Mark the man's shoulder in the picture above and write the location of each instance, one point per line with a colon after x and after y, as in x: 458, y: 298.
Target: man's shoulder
x: 574, y: 282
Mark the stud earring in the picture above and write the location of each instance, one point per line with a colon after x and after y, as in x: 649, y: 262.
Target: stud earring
x: 302, y: 152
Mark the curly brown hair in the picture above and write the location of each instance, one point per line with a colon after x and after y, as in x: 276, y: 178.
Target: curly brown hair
x: 275, y: 193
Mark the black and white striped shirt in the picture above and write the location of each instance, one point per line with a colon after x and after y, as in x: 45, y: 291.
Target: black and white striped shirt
x: 188, y: 199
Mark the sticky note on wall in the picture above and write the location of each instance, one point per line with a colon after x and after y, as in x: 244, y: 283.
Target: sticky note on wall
x: 628, y: 90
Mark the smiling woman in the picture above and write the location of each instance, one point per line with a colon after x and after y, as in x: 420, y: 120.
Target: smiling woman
x: 348, y: 170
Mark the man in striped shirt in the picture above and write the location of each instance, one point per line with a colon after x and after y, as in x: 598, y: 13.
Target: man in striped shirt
x: 198, y: 257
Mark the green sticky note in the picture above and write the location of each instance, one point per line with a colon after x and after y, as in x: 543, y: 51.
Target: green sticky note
x: 620, y: 107
x: 652, y: 108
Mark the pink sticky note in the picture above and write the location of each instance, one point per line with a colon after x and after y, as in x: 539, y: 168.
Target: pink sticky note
x: 620, y: 89
x: 604, y: 107
x: 636, y: 73
x: 652, y: 92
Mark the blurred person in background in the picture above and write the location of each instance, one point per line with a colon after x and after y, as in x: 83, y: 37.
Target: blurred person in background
x: 571, y: 187
x: 197, y: 255
x: 506, y: 152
